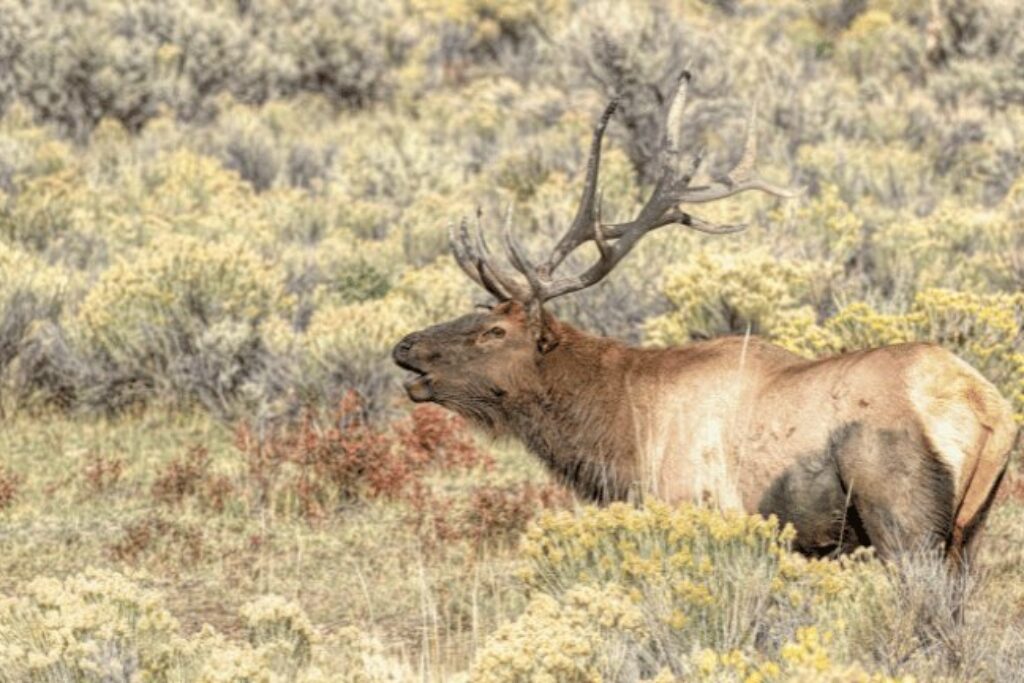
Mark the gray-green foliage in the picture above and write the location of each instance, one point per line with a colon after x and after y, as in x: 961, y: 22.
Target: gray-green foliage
x: 337, y: 140
x: 75, y: 63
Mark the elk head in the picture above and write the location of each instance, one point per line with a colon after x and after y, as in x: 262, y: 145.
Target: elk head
x: 472, y: 363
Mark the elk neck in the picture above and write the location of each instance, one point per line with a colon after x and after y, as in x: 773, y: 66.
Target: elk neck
x: 573, y: 418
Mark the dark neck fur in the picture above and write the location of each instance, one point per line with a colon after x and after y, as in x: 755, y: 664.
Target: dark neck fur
x: 575, y: 420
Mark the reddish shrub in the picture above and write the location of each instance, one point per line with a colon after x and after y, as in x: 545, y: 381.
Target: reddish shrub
x: 216, y: 491
x: 431, y: 517
x: 179, y: 543
x: 316, y: 465
x: 501, y: 513
x: 100, y: 473
x: 182, y: 477
x: 190, y: 477
x: 435, y: 436
x: 322, y: 462
x: 488, y: 514
x: 10, y: 485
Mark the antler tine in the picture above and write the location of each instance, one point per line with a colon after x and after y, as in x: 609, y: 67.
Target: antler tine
x: 580, y: 230
x: 742, y: 177
x: 709, y: 228
x: 506, y: 280
x: 459, y: 252
x: 674, y: 120
x: 471, y: 260
x: 599, y: 238
x: 478, y: 266
x: 663, y: 205
x: 534, y: 284
x: 518, y: 257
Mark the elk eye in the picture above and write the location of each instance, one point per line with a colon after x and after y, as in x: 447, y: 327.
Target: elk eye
x: 495, y: 333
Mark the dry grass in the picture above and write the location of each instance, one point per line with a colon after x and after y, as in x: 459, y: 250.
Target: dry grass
x: 132, y: 495
x: 361, y: 564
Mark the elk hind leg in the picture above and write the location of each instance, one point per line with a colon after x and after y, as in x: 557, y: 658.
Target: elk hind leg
x: 902, y: 494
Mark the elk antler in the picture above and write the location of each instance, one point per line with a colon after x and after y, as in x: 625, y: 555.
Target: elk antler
x: 536, y: 284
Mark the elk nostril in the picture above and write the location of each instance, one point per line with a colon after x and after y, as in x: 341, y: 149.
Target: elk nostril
x: 402, y: 349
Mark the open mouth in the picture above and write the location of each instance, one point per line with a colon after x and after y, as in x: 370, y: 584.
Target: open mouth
x: 418, y: 385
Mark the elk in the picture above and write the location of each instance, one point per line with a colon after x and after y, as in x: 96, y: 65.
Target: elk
x: 894, y: 447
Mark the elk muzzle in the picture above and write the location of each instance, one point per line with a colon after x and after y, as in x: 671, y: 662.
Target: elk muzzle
x: 407, y: 355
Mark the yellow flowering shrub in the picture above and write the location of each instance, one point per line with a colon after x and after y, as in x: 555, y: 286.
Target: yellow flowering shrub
x: 100, y: 626
x: 856, y: 326
x: 45, y: 208
x: 488, y: 21
x: 875, y: 43
x: 805, y: 659
x: 26, y: 272
x: 826, y: 225
x: 683, y: 593
x: 366, y: 331
x: 987, y: 330
x: 583, y: 636
x: 91, y: 627
x: 954, y: 246
x: 192, y: 194
x: 699, y: 577
x: 721, y: 293
x: 180, y: 283
x: 350, y: 343
x: 862, y: 169
x: 348, y: 269
x: 438, y: 292
x: 182, y: 322
x: 273, y: 618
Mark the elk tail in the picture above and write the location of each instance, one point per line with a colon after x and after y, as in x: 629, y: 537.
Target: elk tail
x: 996, y: 443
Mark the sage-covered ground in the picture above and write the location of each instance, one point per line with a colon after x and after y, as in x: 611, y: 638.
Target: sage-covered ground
x: 217, y: 217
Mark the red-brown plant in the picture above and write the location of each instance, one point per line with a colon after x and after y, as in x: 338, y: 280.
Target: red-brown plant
x: 101, y: 473
x: 180, y: 543
x: 487, y: 514
x: 190, y: 477
x: 10, y: 485
x: 502, y: 512
x: 322, y: 463
x: 183, y: 477
x: 343, y: 459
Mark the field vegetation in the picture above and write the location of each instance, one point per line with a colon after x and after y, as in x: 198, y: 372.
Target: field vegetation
x: 216, y: 218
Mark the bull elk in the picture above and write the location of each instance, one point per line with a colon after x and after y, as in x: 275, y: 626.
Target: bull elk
x: 893, y: 447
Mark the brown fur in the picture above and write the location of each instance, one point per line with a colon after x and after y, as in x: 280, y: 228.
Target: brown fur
x: 896, y: 447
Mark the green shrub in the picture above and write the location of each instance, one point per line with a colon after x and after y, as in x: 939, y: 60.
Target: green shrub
x: 186, y: 316
x: 345, y: 346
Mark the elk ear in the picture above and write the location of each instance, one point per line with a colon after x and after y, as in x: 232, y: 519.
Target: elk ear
x: 544, y: 328
x: 504, y: 307
x: 547, y: 341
